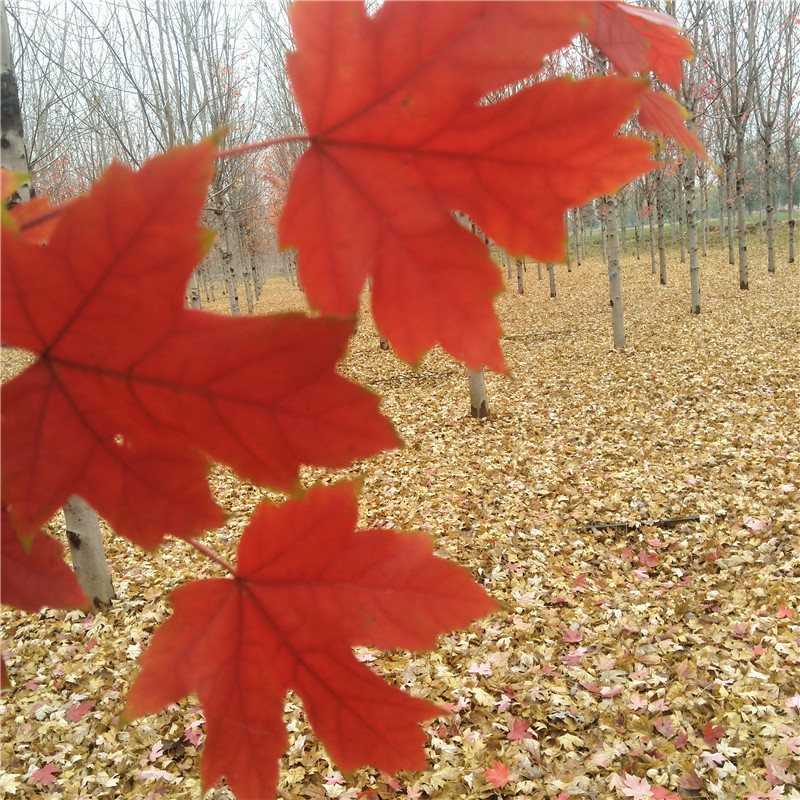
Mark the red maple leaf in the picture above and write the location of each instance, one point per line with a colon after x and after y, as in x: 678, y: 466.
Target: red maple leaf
x: 77, y: 711
x: 498, y: 775
x: 399, y: 139
x: 519, y: 730
x: 36, y: 575
x: 131, y: 394
x: 712, y: 734
x: 635, y: 39
x: 46, y: 775
x: 307, y: 588
x: 661, y: 113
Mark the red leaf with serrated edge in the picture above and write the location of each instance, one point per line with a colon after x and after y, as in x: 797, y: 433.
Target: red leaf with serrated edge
x: 308, y: 587
x: 712, y: 734
x: 662, y: 114
x: 36, y: 576
x: 398, y: 140
x: 498, y: 775
x: 637, y: 39
x: 131, y: 394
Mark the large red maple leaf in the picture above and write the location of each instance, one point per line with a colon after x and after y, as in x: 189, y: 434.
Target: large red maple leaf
x: 131, y: 394
x: 37, y: 575
x: 400, y: 139
x: 307, y: 588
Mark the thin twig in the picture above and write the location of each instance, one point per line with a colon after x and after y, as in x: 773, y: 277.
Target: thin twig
x: 242, y: 149
x: 201, y: 548
x: 655, y: 523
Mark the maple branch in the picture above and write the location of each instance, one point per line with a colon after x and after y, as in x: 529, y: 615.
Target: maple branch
x: 243, y: 149
x: 201, y: 548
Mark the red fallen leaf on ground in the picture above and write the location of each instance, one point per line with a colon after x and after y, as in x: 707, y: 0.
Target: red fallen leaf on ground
x: 498, y: 775
x: 399, y: 140
x: 133, y: 393
x: 308, y: 588
x: 36, y: 576
x: 46, y: 775
x: 712, y: 734
x: 77, y: 711
x: 519, y: 730
x: 690, y: 780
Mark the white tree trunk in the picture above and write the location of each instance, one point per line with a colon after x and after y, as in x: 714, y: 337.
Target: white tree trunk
x: 193, y: 290
x: 86, y: 548
x: 741, y: 212
x: 662, y: 253
x: 690, y: 194
x: 12, y: 146
x: 479, y: 403
x: 614, y: 276
x: 769, y: 201
x: 551, y: 270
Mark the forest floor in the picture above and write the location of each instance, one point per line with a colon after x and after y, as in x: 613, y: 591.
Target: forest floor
x: 624, y: 659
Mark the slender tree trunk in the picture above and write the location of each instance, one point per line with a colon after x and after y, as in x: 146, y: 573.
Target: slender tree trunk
x: 479, y: 403
x: 662, y: 253
x: 244, y: 268
x: 520, y: 282
x: 576, y: 236
x: 228, y: 264
x: 680, y: 204
x: 86, y: 548
x: 729, y: 208
x: 604, y: 233
x: 790, y: 194
x: 769, y: 199
x: 690, y: 194
x: 741, y: 232
x: 703, y: 208
x: 551, y: 270
x: 538, y: 270
x: 721, y: 191
x: 652, y: 237
x: 614, y: 276
x: 193, y: 292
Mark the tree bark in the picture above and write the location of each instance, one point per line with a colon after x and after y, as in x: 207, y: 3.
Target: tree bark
x: 551, y: 271
x: 193, y: 291
x: 662, y: 253
x: 479, y: 403
x: 690, y: 193
x: 86, y: 548
x: 741, y: 214
x: 520, y: 282
x: 614, y: 276
x: 12, y: 142
x: 769, y: 201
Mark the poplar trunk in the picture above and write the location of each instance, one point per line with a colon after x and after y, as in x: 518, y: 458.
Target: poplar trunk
x: 614, y: 276
x: 690, y: 194
x: 86, y: 548
x: 479, y: 403
x: 741, y: 211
